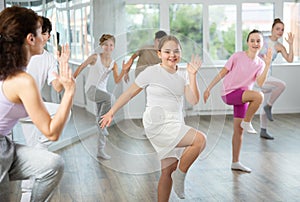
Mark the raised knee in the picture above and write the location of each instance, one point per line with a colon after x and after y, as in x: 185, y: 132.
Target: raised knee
x: 52, y: 169
x: 166, y: 172
x: 203, y: 138
x: 57, y: 164
x: 283, y: 86
x: 260, y: 97
x: 200, y: 140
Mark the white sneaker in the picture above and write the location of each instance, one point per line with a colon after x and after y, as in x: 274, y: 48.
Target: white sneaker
x: 101, y: 154
x: 247, y: 126
x: 240, y: 167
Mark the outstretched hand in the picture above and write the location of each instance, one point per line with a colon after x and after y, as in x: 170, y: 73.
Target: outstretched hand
x: 106, y: 119
x: 125, y: 66
x: 129, y: 63
x: 64, y: 55
x: 194, y: 65
x: 290, y: 39
x: 65, y: 73
x: 268, y: 57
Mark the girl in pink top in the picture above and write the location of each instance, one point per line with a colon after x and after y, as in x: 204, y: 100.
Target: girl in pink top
x: 241, y: 71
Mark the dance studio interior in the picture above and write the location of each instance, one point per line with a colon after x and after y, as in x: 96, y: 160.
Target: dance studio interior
x: 212, y: 30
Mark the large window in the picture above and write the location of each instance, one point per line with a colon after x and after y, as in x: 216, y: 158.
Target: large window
x: 186, y: 24
x: 142, y: 21
x: 222, y: 29
x: 257, y: 16
x: 79, y: 33
x: 215, y: 29
x: 70, y: 23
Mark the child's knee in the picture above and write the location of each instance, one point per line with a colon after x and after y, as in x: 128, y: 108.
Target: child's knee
x: 200, y: 140
x: 57, y: 164
x: 283, y: 86
x: 259, y: 97
x: 168, y: 169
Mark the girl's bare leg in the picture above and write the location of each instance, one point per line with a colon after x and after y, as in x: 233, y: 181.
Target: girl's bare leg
x: 195, y: 142
x: 165, y: 181
x: 255, y: 99
x: 237, y: 139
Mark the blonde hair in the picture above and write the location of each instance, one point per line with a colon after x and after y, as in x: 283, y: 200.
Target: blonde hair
x: 106, y: 37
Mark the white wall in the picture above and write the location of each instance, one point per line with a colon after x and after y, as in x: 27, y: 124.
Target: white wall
x: 289, y: 101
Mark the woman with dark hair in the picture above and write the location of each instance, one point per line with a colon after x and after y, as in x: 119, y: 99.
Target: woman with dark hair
x: 20, y: 39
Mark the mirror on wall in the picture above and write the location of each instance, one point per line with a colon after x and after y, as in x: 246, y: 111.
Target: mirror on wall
x: 70, y: 23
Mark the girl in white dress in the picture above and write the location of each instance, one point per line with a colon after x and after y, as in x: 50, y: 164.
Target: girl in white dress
x: 176, y: 144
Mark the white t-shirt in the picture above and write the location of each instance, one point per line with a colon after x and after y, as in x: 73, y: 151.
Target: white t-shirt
x: 164, y: 89
x: 41, y: 67
x: 98, y: 75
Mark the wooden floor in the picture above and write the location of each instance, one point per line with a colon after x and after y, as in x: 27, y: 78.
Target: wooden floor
x: 133, y: 172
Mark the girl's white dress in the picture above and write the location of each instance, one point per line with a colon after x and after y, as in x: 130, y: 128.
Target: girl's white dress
x: 163, y: 118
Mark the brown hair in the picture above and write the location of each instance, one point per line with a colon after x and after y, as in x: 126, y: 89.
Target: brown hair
x: 15, y: 24
x: 254, y: 31
x: 47, y: 25
x: 277, y: 20
x: 167, y: 38
x: 160, y: 34
x: 106, y: 37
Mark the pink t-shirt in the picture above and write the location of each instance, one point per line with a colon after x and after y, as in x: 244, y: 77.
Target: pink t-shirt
x: 242, y: 72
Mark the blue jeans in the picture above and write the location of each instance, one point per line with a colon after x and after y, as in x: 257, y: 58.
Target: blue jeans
x: 19, y: 162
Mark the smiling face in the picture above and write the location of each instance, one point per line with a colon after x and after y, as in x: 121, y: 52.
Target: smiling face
x: 255, y: 42
x: 108, y: 46
x: 170, y: 54
x: 277, y: 30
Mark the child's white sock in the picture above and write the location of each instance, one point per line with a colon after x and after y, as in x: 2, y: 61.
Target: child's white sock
x: 240, y: 167
x: 178, y: 178
x: 247, y: 126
